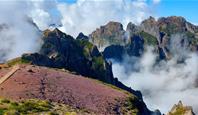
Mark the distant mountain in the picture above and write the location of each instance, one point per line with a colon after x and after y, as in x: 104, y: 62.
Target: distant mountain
x: 112, y: 33
x: 158, y: 33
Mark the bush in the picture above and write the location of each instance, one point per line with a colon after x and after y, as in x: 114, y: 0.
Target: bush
x: 33, y: 106
x: 5, y: 101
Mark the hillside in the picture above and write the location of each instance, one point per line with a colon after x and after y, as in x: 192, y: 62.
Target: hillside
x: 63, y: 87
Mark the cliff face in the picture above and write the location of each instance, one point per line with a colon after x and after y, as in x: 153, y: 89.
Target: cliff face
x: 109, y: 34
x: 161, y: 34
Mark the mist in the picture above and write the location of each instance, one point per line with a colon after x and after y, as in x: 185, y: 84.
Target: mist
x: 162, y: 84
x: 20, y: 24
x: 87, y: 15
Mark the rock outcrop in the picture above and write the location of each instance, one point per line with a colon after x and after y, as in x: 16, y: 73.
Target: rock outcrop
x: 159, y: 33
x: 109, y: 34
x: 180, y: 109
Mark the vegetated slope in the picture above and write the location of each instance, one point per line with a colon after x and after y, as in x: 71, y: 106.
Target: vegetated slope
x: 34, y: 82
x: 60, y: 50
x: 37, y: 107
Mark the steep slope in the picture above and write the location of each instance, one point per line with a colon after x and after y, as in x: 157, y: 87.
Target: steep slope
x: 79, y: 55
x: 34, y: 82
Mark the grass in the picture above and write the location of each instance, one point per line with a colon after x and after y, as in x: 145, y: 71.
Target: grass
x: 148, y: 39
x: 36, y: 107
x: 15, y: 61
x: 24, y: 107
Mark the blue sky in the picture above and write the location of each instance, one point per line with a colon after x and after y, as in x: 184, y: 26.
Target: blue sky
x: 184, y: 8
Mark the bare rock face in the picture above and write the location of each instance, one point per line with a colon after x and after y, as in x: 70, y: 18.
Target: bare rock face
x: 131, y: 30
x: 161, y: 34
x: 181, y: 109
x: 111, y: 33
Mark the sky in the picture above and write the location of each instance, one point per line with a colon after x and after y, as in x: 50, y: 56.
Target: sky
x: 75, y: 16
x: 184, y: 8
x: 164, y: 8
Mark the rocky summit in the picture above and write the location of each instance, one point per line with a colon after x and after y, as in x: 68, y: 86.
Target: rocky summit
x: 161, y: 33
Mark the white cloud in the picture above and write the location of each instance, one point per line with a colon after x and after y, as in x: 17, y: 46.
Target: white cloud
x: 86, y: 15
x: 195, y: 23
x: 156, y: 1
x: 162, y: 85
x: 21, y: 36
x: 18, y: 36
x: 44, y: 12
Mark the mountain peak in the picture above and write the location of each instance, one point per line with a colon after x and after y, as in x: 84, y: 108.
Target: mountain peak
x: 81, y: 36
x: 180, y: 109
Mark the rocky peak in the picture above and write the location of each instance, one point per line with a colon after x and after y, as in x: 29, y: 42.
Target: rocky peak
x: 172, y: 24
x: 172, y: 19
x: 180, y: 109
x: 150, y: 26
x: 81, y: 36
x: 113, y: 26
x: 111, y: 33
x: 132, y: 29
x: 53, y: 33
x: 150, y: 20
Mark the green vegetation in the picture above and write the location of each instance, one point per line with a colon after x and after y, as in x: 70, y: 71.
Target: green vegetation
x: 36, y: 107
x: 15, y: 61
x: 132, y: 106
x: 148, y: 38
x: 86, y: 45
x: 99, y: 67
x: 190, y: 34
x: 98, y: 61
x: 191, y: 38
x: 169, y: 29
x: 24, y: 107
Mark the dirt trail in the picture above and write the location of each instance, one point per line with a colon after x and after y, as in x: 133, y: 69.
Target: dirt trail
x: 9, y: 74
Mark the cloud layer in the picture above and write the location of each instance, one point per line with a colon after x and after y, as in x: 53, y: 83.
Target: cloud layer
x: 163, y: 84
x: 87, y: 15
x: 17, y: 34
